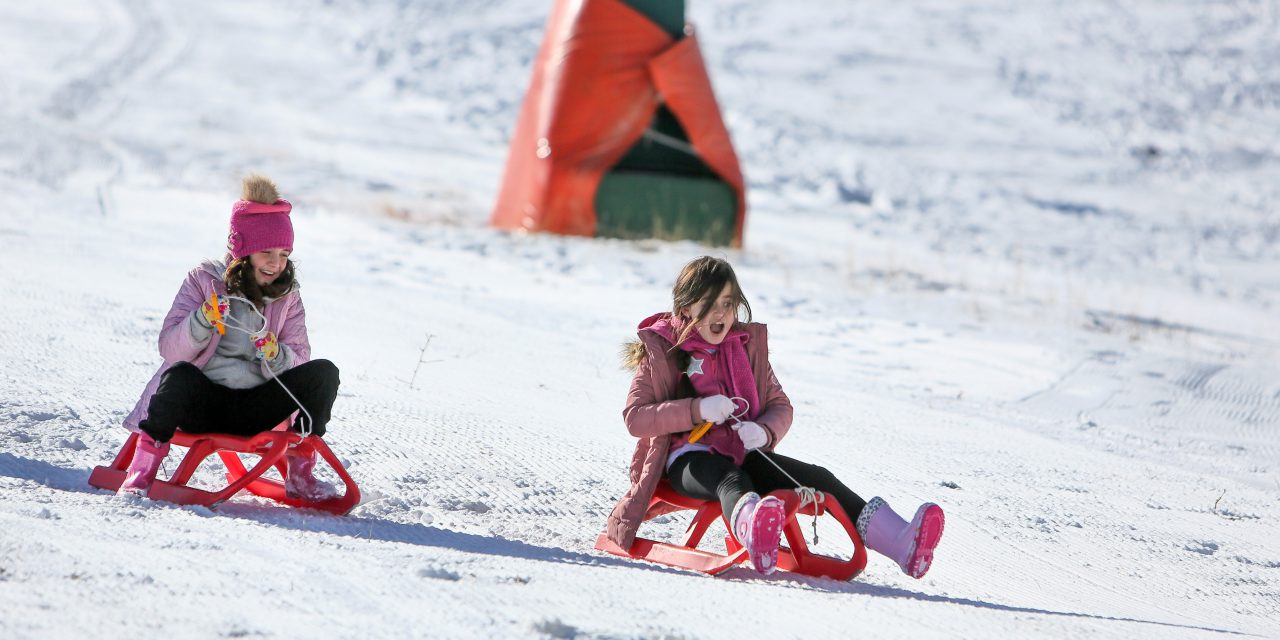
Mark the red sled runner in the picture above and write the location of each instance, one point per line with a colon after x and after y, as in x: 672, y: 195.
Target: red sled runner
x: 795, y: 557
x: 272, y: 446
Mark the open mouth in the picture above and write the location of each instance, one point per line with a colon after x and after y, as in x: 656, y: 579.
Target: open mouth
x: 716, y: 327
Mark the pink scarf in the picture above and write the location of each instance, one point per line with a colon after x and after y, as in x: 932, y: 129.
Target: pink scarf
x: 741, y: 380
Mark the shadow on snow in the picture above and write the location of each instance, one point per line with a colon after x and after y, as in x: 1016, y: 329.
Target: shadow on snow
x: 76, y: 480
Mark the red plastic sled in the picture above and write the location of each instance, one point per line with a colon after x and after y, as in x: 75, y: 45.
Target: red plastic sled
x: 272, y: 446
x: 796, y: 557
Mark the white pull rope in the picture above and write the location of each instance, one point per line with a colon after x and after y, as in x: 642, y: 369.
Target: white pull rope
x: 808, y: 495
x: 304, y: 426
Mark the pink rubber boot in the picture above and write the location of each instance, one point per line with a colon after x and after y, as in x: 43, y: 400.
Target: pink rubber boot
x: 147, y: 456
x: 301, y: 482
x: 910, y: 544
x: 757, y: 524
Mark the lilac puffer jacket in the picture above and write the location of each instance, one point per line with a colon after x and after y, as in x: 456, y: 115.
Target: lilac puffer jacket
x: 285, y: 317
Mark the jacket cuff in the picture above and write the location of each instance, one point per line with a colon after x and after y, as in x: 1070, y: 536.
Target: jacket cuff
x: 283, y: 361
x: 694, y: 412
x: 773, y: 440
x: 200, y: 332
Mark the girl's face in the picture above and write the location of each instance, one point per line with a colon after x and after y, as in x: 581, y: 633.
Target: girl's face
x: 268, y: 265
x: 716, y: 325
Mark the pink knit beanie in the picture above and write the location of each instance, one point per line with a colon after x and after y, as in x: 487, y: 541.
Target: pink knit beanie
x: 257, y: 225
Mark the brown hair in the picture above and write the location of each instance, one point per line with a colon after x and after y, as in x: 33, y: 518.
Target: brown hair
x: 240, y: 281
x: 702, y: 280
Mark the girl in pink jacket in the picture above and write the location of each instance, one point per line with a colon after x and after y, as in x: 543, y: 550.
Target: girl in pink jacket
x: 699, y: 364
x: 232, y: 328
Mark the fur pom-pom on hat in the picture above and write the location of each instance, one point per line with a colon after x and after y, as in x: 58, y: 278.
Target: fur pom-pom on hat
x: 260, y: 220
x: 259, y: 188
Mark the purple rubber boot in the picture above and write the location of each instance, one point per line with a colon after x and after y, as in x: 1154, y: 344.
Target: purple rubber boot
x: 910, y: 544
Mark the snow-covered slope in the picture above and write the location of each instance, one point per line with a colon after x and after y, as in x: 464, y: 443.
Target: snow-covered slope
x: 1021, y: 259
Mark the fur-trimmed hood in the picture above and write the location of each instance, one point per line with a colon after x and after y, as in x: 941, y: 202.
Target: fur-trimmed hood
x: 633, y: 352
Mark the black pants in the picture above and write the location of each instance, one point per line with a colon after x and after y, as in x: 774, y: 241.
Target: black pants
x: 708, y: 476
x: 189, y: 400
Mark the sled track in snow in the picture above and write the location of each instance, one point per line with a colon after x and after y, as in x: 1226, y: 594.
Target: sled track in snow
x: 449, y: 467
x: 69, y: 131
x: 147, y: 36
x: 1236, y: 394
x: 1175, y: 398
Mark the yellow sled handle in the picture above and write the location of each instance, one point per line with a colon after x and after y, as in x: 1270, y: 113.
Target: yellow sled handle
x: 700, y: 431
x: 217, y: 315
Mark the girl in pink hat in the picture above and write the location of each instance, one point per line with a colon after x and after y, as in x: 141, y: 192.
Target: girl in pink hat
x: 698, y: 363
x: 215, y: 379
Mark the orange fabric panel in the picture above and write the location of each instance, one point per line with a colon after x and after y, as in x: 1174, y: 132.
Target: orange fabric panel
x: 681, y: 78
x: 592, y: 95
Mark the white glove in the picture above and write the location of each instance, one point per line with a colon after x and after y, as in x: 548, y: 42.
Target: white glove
x: 753, y: 436
x: 716, y: 409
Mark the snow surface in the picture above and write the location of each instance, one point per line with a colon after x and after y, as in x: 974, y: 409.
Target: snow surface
x: 1019, y: 258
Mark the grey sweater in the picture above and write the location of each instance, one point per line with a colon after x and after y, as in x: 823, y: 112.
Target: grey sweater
x: 235, y: 363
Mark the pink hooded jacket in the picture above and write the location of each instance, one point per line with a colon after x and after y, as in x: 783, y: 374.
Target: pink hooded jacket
x: 285, y: 317
x: 654, y: 413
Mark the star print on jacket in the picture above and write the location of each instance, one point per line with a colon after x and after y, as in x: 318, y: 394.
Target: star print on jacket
x: 695, y: 366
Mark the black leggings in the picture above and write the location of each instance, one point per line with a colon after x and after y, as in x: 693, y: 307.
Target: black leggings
x: 708, y: 476
x: 188, y: 399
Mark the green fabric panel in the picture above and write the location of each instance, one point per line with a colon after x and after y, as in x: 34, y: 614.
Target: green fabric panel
x: 668, y: 14
x: 634, y: 205
x: 662, y: 191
